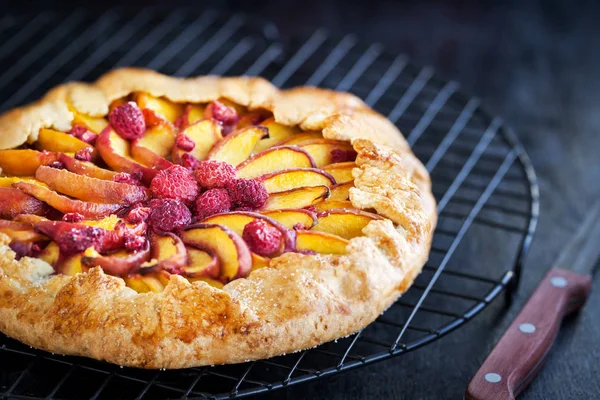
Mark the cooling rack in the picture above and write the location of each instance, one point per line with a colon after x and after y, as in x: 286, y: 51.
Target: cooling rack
x: 483, y: 181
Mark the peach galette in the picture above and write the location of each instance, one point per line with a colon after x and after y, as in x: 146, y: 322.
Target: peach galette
x: 159, y: 222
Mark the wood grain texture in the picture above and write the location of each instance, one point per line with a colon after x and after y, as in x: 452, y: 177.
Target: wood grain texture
x: 519, y: 354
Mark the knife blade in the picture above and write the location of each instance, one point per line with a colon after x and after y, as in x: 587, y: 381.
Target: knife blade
x: 519, y: 355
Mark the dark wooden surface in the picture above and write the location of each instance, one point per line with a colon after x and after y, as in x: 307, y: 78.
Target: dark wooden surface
x: 534, y: 63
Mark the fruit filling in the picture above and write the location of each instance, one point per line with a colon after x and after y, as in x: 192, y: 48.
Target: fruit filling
x: 210, y: 192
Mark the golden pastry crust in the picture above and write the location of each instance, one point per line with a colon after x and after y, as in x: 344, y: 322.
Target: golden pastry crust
x: 300, y: 301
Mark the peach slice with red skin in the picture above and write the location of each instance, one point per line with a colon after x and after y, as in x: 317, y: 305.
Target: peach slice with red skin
x: 121, y: 263
x: 238, y: 145
x: 156, y: 144
x: 333, y: 204
x: 192, y: 114
x: 50, y: 254
x: 300, y: 138
x: 168, y: 253
x: 55, y: 141
x: 297, y: 198
x: 237, y: 221
x: 7, y: 181
x: 24, y: 162
x: 14, y: 202
x: 277, y: 133
x: 115, y: 151
x: 86, y: 168
x: 290, y: 218
x: 295, y: 178
x: 20, y: 232
x: 229, y: 247
x: 201, y: 263
x: 84, y: 188
x: 320, y: 242
x: 321, y: 150
x: 166, y: 109
x: 344, y: 223
x: 259, y: 262
x: 274, y: 159
x: 205, y: 134
x: 30, y: 219
x: 342, y: 172
x: 94, y: 124
x: 65, y: 204
x: 341, y: 191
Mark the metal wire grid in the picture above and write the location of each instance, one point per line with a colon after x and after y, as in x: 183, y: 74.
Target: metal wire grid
x: 483, y: 181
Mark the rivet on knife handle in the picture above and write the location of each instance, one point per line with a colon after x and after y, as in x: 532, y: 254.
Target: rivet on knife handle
x: 520, y: 352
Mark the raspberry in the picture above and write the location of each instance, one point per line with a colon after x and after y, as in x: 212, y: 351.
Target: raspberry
x: 168, y: 215
x: 73, y: 217
x: 262, y: 239
x: 84, y: 154
x: 57, y: 165
x: 184, y: 142
x: 211, y: 202
x: 133, y: 242
x: 137, y: 215
x: 248, y: 193
x: 128, y: 120
x: 83, y: 134
x: 131, y: 179
x: 214, y: 174
x: 189, y: 161
x: 74, y: 238
x: 226, y: 116
x: 175, y: 182
x: 339, y: 155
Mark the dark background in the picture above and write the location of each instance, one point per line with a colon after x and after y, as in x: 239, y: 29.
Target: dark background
x: 534, y: 63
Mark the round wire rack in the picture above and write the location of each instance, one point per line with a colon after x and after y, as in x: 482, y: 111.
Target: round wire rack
x: 483, y: 181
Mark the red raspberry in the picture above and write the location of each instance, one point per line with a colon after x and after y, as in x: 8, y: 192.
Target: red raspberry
x: 189, y: 161
x: 248, y: 193
x: 168, y: 215
x: 73, y: 217
x: 131, y: 179
x: 137, y: 215
x: 128, y: 121
x: 339, y: 155
x: 74, y: 238
x: 175, y: 182
x: 214, y: 174
x: 84, y: 154
x: 133, y: 242
x: 184, y: 142
x: 213, y: 201
x: 262, y: 239
x: 226, y: 116
x: 83, y: 134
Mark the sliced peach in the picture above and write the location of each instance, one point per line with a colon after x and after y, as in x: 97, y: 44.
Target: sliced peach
x: 136, y: 283
x: 94, y: 124
x: 154, y: 283
x: 84, y: 188
x: 238, y: 107
x: 161, y: 106
x: 51, y: 140
x: 70, y: 265
x: 259, y: 262
x: 295, y: 178
x: 24, y: 162
x: 115, y: 151
x: 231, y: 250
x: 342, y: 172
x: 344, y: 223
x: 332, y: 204
x: 238, y: 145
x: 273, y: 160
x: 297, y: 198
x: 292, y: 217
x: 321, y: 150
x: 194, y: 113
x: 341, y: 191
x: 50, y: 254
x: 20, y: 232
x: 30, y: 219
x: 205, y: 134
x: 7, y: 181
x: 85, y: 168
x: 156, y: 144
x: 121, y: 263
x: 320, y: 242
x: 65, y: 204
x: 237, y: 221
x: 14, y: 202
x: 212, y: 282
x: 107, y: 223
x: 300, y: 138
x: 201, y: 263
x: 250, y: 119
x: 277, y: 133
x: 168, y: 253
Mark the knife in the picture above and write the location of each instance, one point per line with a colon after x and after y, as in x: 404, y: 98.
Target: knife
x: 520, y: 353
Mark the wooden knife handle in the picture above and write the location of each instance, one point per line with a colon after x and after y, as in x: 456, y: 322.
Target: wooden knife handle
x: 520, y: 352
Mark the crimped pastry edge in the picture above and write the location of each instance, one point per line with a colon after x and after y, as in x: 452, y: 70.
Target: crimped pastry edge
x: 299, y: 302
